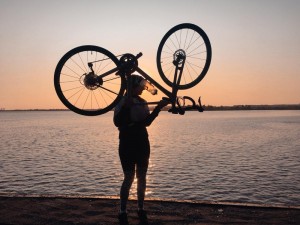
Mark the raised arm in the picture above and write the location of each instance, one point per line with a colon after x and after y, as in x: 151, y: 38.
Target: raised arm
x: 149, y: 119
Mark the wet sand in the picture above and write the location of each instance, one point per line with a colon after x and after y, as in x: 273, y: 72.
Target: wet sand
x: 66, y: 210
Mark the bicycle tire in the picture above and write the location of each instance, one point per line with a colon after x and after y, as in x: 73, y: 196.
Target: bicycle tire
x: 73, y: 76
x: 183, y: 37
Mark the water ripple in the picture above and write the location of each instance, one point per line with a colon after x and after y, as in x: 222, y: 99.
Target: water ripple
x: 249, y: 156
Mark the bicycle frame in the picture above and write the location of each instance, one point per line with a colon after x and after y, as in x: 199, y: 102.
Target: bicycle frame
x: 129, y: 64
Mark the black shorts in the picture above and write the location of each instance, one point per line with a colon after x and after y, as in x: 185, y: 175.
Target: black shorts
x: 134, y: 152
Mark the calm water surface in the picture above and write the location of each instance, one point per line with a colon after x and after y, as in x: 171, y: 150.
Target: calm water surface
x: 240, y: 156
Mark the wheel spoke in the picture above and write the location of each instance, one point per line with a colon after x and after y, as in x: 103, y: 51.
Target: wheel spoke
x: 105, y: 66
x: 189, y: 72
x: 72, y: 89
x: 79, y: 97
x: 76, y: 93
x: 168, y: 52
x: 96, y: 99
x: 192, y: 67
x: 173, y: 43
x: 170, y: 72
x: 190, y: 40
x: 177, y: 41
x: 195, y: 58
x: 102, y: 96
x: 170, y: 67
x: 84, y: 70
x: 193, y: 42
x: 195, y: 49
x: 86, y: 100
x: 197, y: 53
x: 185, y: 38
x: 180, y: 39
x: 167, y: 57
x: 99, y: 66
x: 71, y: 81
x: 72, y: 70
x: 70, y: 75
x: 195, y: 65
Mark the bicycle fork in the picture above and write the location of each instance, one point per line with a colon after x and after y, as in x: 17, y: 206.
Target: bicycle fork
x: 179, y: 61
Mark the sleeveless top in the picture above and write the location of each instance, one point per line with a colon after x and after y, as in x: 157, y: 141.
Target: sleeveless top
x: 132, y: 121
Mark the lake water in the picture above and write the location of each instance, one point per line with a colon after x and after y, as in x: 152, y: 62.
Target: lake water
x: 238, y: 156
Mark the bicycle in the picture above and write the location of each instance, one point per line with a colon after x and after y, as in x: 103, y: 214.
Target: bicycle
x: 90, y: 80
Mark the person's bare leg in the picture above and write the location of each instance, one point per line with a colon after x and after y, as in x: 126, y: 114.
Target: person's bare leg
x: 125, y: 188
x: 141, y: 173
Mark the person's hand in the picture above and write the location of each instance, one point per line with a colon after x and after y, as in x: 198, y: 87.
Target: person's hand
x: 162, y: 103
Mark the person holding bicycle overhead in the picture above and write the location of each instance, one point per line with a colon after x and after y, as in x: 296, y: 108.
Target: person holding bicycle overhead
x: 132, y: 116
x: 91, y: 81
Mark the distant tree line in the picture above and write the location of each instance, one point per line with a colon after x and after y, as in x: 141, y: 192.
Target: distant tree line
x: 248, y: 107
x: 252, y: 107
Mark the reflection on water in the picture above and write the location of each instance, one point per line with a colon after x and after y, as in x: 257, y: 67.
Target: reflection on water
x: 247, y: 156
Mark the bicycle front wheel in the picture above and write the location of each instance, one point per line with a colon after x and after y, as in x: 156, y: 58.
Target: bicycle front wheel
x: 79, y: 84
x: 191, y: 42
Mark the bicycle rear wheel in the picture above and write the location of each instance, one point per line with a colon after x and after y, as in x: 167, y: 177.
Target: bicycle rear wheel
x: 192, y: 42
x: 79, y: 86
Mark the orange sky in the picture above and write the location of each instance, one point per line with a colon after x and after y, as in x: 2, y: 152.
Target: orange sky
x: 255, y: 45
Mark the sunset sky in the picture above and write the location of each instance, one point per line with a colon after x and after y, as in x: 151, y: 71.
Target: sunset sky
x: 255, y: 45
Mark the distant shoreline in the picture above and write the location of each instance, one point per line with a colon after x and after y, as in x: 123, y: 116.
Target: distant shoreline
x: 252, y: 107
x: 205, y: 107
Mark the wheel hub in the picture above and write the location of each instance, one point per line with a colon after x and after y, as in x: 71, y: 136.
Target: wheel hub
x: 178, y: 57
x: 91, y: 81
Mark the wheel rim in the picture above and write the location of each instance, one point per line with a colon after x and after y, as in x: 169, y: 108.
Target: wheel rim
x: 80, y: 88
x: 194, y: 44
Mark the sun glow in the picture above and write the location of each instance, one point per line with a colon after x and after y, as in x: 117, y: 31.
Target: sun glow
x: 257, y: 65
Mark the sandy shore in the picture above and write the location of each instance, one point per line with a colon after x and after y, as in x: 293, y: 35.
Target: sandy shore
x: 65, y: 210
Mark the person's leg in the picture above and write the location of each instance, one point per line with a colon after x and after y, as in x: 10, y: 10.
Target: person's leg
x: 141, y: 173
x: 125, y: 188
x: 128, y: 166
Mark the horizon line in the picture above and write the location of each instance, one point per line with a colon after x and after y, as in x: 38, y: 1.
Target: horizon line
x: 270, y: 106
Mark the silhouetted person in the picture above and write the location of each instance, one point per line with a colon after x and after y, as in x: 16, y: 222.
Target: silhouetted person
x: 132, y: 119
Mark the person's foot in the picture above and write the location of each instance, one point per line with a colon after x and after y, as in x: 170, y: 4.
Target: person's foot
x: 123, y: 218
x: 142, y: 215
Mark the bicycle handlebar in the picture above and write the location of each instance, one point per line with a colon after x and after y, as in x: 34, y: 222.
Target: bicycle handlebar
x: 181, y: 109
